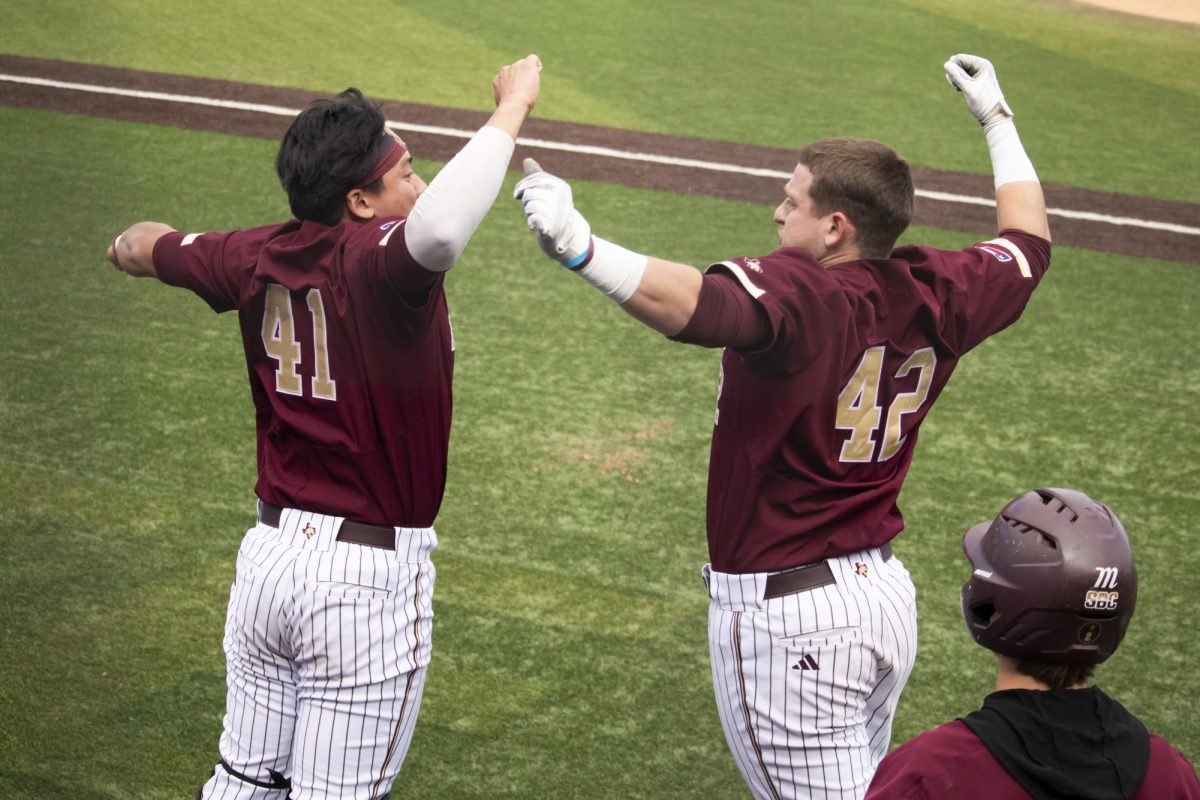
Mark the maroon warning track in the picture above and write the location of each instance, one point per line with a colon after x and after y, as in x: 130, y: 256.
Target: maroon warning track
x: 1094, y: 235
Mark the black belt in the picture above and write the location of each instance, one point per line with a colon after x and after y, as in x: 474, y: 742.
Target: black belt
x: 811, y: 576
x: 350, y: 531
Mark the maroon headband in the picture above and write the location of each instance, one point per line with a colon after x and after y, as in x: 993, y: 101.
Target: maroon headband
x: 388, y: 152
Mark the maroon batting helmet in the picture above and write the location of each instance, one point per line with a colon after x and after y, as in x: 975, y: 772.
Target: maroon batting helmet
x: 1053, y: 579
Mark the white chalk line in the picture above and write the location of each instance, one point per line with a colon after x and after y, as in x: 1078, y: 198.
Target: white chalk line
x: 604, y: 152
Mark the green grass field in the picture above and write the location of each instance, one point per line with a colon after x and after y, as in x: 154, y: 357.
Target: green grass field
x: 570, y: 656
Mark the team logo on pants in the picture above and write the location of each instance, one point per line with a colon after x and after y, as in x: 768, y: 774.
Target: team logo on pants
x: 309, y: 531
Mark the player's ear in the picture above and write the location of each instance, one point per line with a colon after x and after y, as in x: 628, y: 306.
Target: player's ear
x: 839, y: 231
x: 358, y: 206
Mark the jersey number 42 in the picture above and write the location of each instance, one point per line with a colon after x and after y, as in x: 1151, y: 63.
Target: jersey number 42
x: 859, y: 409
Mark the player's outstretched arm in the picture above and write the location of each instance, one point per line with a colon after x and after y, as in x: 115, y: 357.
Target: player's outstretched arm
x: 1020, y: 203
x: 450, y: 209
x: 661, y: 294
x: 515, y: 89
x: 132, y: 250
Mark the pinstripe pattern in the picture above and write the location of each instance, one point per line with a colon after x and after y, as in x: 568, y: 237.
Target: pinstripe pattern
x: 807, y: 684
x: 747, y: 714
x: 327, y: 645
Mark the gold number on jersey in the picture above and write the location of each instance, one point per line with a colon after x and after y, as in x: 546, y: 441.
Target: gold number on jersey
x: 907, y: 402
x: 858, y: 407
x: 859, y: 411
x: 279, y: 339
x: 323, y: 386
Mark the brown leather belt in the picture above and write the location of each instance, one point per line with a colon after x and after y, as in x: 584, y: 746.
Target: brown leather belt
x: 350, y: 531
x: 811, y: 576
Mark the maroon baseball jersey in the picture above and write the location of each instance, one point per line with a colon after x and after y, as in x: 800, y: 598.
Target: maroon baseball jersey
x: 815, y: 429
x: 350, y: 354
x: 951, y: 761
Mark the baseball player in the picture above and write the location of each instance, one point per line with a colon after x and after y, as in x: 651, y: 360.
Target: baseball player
x: 350, y: 353
x: 1052, y: 591
x: 836, y: 345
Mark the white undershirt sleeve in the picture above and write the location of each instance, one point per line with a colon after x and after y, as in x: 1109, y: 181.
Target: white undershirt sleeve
x: 450, y: 209
x: 1009, y: 160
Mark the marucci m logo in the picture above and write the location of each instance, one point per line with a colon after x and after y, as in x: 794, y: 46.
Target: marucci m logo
x: 1107, y: 579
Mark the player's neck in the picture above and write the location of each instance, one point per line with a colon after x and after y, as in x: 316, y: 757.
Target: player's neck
x: 1008, y: 677
x: 841, y: 256
x: 1019, y: 681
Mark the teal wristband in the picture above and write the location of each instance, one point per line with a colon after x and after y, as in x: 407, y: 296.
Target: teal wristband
x: 581, y: 260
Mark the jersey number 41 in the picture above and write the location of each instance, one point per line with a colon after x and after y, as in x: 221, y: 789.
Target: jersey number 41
x: 279, y: 339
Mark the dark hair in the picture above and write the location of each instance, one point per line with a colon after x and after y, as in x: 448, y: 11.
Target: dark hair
x: 326, y: 151
x: 1057, y: 676
x: 868, y: 182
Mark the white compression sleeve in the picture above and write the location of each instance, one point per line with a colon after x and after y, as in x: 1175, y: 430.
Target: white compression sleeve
x: 1009, y: 161
x: 613, y: 270
x: 456, y: 201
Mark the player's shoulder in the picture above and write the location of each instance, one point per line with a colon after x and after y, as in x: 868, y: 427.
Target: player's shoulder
x: 239, y: 237
x: 938, y: 749
x: 936, y: 763
x: 952, y: 737
x: 787, y: 267
x: 232, y: 251
x: 376, y: 233
x: 266, y: 233
x: 316, y: 243
x: 1026, y: 251
x: 1171, y: 769
x: 300, y: 234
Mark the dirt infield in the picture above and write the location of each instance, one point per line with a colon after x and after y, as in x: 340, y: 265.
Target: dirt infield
x: 684, y: 179
x: 1187, y: 11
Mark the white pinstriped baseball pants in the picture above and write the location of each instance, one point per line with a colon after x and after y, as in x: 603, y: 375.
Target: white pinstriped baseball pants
x: 326, y: 648
x: 807, y: 684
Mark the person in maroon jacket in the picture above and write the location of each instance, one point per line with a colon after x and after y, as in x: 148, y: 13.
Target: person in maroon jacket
x: 836, y: 346
x: 350, y: 355
x: 1052, y: 591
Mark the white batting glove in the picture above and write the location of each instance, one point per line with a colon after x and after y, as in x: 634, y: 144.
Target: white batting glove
x: 562, y: 232
x: 975, y: 77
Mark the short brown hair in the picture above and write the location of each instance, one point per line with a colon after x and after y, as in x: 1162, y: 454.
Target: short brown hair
x: 868, y: 182
x: 1057, y: 676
